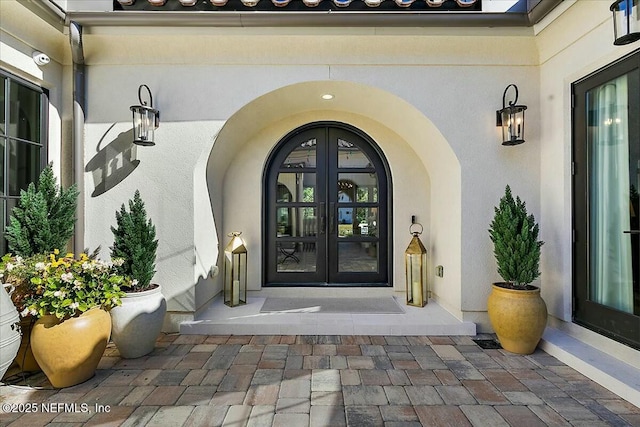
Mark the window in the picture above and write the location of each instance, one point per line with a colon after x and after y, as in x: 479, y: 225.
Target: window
x: 22, y: 141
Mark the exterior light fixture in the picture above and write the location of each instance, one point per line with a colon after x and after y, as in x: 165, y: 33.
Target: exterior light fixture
x: 626, y: 21
x: 511, y: 119
x: 235, y: 271
x: 145, y: 119
x: 415, y: 258
x: 327, y: 96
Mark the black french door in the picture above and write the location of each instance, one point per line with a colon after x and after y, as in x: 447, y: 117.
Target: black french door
x: 606, y: 214
x: 326, y: 209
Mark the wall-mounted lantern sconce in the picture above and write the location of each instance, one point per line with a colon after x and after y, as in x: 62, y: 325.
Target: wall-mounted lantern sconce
x: 145, y: 119
x: 626, y: 21
x: 511, y: 119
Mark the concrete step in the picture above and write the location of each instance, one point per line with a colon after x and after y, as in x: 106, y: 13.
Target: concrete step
x: 612, y: 365
x: 217, y: 318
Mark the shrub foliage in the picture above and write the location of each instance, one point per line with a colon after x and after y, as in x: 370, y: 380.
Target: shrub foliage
x: 514, y: 234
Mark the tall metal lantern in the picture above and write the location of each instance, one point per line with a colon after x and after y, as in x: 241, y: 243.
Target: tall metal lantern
x: 415, y: 258
x: 626, y: 21
x: 146, y: 119
x: 235, y: 271
x: 511, y: 119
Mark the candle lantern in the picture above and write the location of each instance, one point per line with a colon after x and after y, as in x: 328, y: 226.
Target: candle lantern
x: 416, y: 264
x: 235, y: 271
x: 511, y: 119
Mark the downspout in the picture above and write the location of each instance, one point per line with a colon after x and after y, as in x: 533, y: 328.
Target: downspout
x: 77, y: 133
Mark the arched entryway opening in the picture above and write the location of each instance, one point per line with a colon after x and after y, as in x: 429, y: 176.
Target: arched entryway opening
x: 426, y: 173
x: 326, y: 209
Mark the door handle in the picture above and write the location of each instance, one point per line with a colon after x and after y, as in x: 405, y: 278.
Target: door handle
x: 332, y: 217
x: 323, y: 219
x: 631, y: 231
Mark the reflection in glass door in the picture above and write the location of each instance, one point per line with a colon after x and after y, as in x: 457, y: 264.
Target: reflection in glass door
x: 326, y: 210
x: 607, y: 211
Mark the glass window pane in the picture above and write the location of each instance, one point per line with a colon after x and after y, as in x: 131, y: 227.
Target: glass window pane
x: 357, y: 187
x: 24, y: 113
x: 358, y: 257
x: 3, y: 218
x: 24, y: 166
x: 302, y: 156
x: 357, y: 222
x: 296, y: 257
x: 296, y: 187
x: 296, y: 222
x: 614, y: 184
x: 3, y: 143
x: 3, y: 97
x: 350, y: 156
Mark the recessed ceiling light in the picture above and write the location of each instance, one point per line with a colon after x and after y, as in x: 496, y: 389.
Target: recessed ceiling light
x: 327, y: 96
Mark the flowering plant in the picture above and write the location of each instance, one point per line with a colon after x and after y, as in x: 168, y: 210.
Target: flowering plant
x: 64, y: 286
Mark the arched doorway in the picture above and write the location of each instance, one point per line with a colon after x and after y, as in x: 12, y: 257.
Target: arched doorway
x: 326, y: 209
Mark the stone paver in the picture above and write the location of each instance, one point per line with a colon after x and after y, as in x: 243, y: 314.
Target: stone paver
x: 310, y: 380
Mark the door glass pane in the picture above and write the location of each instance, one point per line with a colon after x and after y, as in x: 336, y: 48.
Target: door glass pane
x: 350, y: 156
x: 3, y: 242
x: 614, y: 156
x: 3, y: 143
x: 296, y: 222
x: 357, y: 222
x: 357, y: 187
x: 24, y: 112
x: 302, y: 156
x: 357, y: 257
x: 296, y: 187
x: 24, y: 166
x: 296, y: 256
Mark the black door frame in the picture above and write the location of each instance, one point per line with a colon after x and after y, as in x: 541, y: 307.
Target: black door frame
x: 623, y: 327
x: 386, y: 254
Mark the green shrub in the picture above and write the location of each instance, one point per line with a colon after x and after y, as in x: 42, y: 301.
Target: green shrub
x: 44, y: 218
x: 514, y: 234
x: 135, y: 242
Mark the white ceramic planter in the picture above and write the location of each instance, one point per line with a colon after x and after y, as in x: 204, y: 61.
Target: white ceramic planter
x: 9, y: 332
x: 136, y: 323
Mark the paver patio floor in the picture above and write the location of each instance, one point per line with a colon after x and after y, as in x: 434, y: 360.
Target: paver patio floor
x: 198, y: 380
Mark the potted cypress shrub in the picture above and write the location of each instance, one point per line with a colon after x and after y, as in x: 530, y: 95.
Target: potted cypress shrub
x: 517, y: 312
x: 42, y: 221
x: 136, y: 324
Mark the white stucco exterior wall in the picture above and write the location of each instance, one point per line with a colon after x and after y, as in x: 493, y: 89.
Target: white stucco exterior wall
x: 455, y: 83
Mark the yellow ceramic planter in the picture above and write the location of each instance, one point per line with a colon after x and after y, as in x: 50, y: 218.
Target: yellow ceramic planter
x: 518, y: 317
x: 69, y: 352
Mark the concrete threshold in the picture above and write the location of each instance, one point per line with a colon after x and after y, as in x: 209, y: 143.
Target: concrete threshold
x: 219, y: 319
x: 616, y: 368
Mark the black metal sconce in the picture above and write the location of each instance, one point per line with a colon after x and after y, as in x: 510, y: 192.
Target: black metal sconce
x: 146, y: 120
x: 511, y: 119
x: 626, y: 21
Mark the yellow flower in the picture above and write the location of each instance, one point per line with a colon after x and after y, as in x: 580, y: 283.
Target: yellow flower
x: 69, y: 255
x: 56, y: 251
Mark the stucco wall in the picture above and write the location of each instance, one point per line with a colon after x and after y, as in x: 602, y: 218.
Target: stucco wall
x: 454, y: 83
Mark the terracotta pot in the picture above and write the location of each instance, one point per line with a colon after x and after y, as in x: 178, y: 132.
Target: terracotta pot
x: 136, y: 324
x: 9, y: 331
x: 518, y: 317
x: 69, y: 351
x: 25, y: 359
